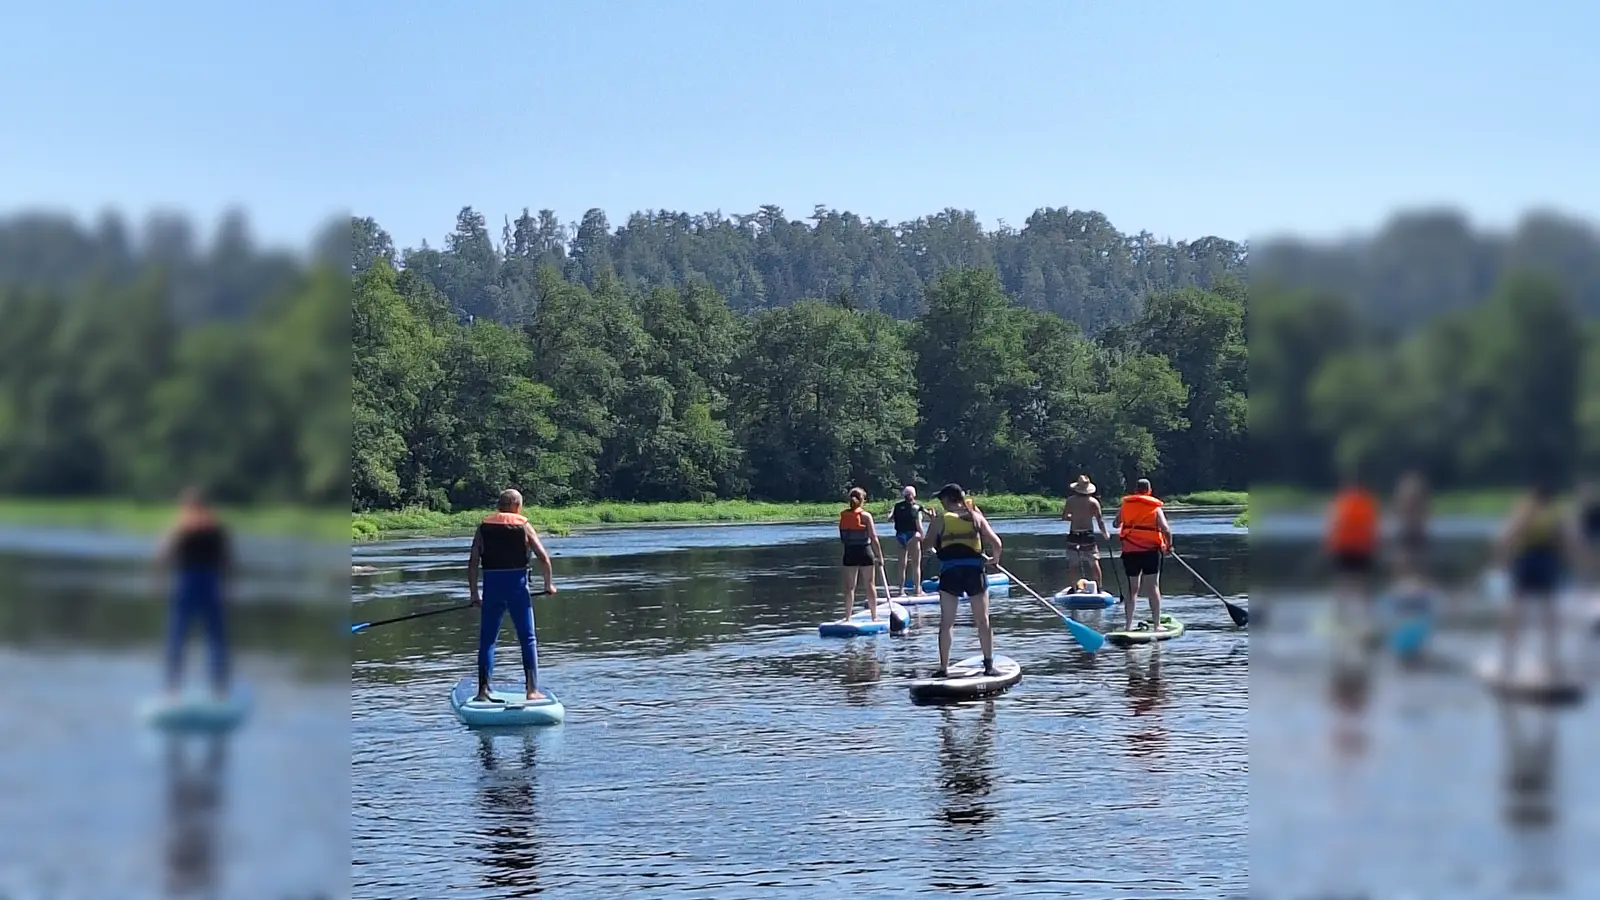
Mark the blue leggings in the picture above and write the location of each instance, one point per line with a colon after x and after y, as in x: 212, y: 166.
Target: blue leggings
x: 197, y: 594
x: 506, y: 591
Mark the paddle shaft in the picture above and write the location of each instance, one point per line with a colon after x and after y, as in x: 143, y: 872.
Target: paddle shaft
x: 1086, y: 637
x: 431, y: 612
x: 1238, y: 614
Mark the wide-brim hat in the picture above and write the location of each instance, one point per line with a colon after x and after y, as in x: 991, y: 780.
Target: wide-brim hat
x: 1083, y: 486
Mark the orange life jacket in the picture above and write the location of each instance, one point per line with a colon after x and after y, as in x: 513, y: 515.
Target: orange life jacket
x: 1353, y: 525
x: 853, y: 527
x: 1140, y: 530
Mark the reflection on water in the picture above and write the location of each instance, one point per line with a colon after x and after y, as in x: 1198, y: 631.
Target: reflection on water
x: 966, y: 765
x: 1404, y: 779
x: 194, y: 770
x: 509, y: 807
x: 1147, y: 737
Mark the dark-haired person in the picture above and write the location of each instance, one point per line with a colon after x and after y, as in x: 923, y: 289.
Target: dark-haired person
x: 959, y: 536
x: 502, y: 547
x: 199, y: 553
x: 1146, y: 536
x: 862, y: 552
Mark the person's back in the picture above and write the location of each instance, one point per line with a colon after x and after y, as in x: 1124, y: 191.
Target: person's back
x: 199, y: 552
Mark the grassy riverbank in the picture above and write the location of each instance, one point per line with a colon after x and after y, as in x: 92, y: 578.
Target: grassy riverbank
x: 563, y: 520
x: 1484, y: 502
x: 133, y: 517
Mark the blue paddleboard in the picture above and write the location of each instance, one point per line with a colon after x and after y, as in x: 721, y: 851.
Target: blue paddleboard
x: 861, y: 623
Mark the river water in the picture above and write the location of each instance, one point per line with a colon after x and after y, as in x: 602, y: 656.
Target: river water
x: 92, y: 806
x: 716, y: 746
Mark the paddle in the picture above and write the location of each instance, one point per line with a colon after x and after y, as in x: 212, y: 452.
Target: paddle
x: 432, y: 612
x: 1086, y: 637
x: 1240, y: 616
x: 363, y: 626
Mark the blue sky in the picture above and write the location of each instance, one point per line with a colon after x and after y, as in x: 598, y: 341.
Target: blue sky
x: 1186, y: 119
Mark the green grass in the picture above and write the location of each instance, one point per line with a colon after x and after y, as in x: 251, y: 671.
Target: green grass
x: 129, y: 516
x: 366, y: 526
x: 1486, y: 502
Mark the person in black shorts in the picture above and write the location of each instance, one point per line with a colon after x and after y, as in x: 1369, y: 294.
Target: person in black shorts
x: 1083, y: 516
x: 1146, y: 535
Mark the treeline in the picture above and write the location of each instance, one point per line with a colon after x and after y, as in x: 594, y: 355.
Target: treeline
x: 625, y: 391
x: 1471, y: 355
x: 134, y: 365
x: 1073, y: 263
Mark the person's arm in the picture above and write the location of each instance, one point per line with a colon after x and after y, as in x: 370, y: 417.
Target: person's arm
x: 543, y: 556
x: 872, y: 534
x: 1065, y: 510
x: 472, y: 568
x: 1100, y: 520
x: 1166, y: 528
x: 989, y: 537
x: 1512, y: 531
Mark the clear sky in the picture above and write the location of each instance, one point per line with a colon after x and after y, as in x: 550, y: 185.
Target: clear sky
x: 1183, y: 118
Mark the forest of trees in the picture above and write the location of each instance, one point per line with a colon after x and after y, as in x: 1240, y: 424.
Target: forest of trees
x: 134, y: 365
x: 689, y: 358
x: 684, y: 357
x: 1470, y: 354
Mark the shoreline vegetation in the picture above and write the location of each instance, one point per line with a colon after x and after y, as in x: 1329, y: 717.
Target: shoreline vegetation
x: 558, y: 521
x: 122, y: 516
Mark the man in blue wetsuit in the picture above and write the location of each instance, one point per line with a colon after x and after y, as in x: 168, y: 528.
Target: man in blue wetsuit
x: 501, y: 547
x: 199, y: 553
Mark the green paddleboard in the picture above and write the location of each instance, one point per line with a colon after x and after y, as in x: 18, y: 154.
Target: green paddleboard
x: 1170, y: 628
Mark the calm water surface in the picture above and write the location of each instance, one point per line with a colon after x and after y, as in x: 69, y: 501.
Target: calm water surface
x: 1372, y: 779
x: 96, y: 807
x: 716, y: 746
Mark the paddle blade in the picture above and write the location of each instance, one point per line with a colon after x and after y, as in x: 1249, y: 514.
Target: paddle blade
x: 356, y: 628
x: 1240, y: 616
x: 1086, y: 637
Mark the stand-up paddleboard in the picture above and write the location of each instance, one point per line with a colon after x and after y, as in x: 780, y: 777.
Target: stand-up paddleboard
x: 1530, y: 687
x: 997, y: 582
x: 894, y: 618
x: 197, y: 711
x: 1409, y: 622
x: 513, y: 710
x: 924, y: 600
x: 965, y: 680
x: 1076, y: 600
x: 1144, y: 634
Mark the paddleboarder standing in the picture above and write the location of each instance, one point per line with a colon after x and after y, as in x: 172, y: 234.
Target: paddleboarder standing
x: 1083, y: 516
x: 502, y: 548
x: 862, y: 553
x: 1536, y: 549
x: 1352, y: 542
x: 959, y: 535
x: 908, y: 515
x: 199, y: 553
x: 1146, y: 536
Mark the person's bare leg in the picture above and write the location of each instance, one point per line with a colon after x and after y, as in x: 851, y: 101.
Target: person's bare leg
x: 905, y: 560
x: 849, y: 591
x: 1552, y: 640
x: 947, y: 627
x: 915, y: 546
x: 872, y: 589
x: 1155, y: 601
x: 1094, y: 567
x: 980, y: 620
x: 1135, y: 583
x: 1510, y: 628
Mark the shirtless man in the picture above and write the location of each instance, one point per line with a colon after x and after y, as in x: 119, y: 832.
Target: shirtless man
x: 1082, y: 515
